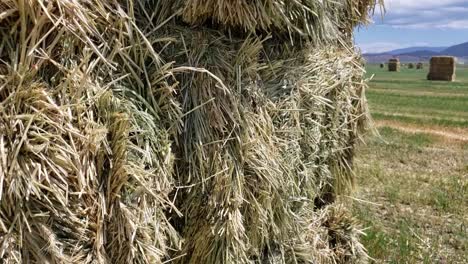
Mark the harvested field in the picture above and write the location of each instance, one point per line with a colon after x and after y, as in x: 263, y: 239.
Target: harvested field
x: 412, y: 196
x: 413, y: 178
x: 408, y: 93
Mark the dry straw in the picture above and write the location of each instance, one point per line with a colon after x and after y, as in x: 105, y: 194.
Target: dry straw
x: 314, y: 20
x: 233, y: 152
x: 442, y: 68
x: 85, y: 171
x: 261, y: 150
x: 394, y: 65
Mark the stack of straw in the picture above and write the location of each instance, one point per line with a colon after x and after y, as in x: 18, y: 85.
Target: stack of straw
x: 442, y: 68
x: 394, y: 65
x: 85, y: 166
x: 179, y: 131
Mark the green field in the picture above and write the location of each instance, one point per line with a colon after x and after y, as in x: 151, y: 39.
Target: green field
x: 412, y: 194
x: 409, y: 98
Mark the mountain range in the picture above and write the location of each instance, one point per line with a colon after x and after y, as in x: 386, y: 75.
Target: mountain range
x: 420, y: 54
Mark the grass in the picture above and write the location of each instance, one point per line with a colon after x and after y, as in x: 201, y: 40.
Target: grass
x: 412, y: 197
x: 424, y: 120
x: 411, y: 140
x: 408, y: 93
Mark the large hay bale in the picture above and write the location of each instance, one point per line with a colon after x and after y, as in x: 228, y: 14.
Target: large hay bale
x: 394, y: 65
x: 85, y: 170
x: 410, y: 65
x: 232, y: 153
x: 306, y: 18
x: 382, y: 65
x: 270, y: 128
x: 442, y: 68
x: 419, y: 66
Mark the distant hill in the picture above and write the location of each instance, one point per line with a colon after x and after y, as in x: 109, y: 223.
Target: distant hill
x: 416, y: 54
x: 460, y: 50
x: 420, y: 53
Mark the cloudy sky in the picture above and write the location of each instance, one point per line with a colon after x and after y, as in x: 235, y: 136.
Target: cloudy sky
x: 416, y: 23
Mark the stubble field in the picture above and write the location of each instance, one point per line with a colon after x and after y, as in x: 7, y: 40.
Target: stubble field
x: 412, y: 194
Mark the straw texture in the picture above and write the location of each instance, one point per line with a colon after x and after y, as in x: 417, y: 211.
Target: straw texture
x: 317, y: 21
x: 442, y: 68
x: 85, y: 171
x: 394, y: 65
x: 179, y: 131
x: 264, y: 145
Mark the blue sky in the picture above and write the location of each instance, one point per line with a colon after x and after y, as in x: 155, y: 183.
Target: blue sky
x: 410, y: 23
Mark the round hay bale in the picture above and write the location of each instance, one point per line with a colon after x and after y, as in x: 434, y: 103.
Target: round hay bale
x: 419, y: 66
x: 410, y: 65
x: 382, y: 65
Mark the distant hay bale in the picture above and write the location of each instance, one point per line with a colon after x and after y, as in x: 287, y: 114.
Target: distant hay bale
x: 410, y: 65
x: 419, y: 66
x: 394, y: 65
x: 382, y: 65
x: 442, y: 68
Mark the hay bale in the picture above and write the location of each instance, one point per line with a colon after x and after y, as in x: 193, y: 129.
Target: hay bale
x: 419, y: 66
x: 442, y: 68
x: 233, y: 153
x: 86, y: 163
x: 382, y: 65
x: 85, y: 170
x: 394, y: 65
x: 410, y: 65
x: 302, y: 19
x: 254, y: 125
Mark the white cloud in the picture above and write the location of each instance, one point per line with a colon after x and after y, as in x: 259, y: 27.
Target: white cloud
x: 418, y: 4
x: 426, y: 14
x: 456, y: 24
x: 378, y: 47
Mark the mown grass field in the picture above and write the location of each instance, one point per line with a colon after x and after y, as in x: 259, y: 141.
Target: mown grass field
x: 412, y: 194
x: 407, y: 97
